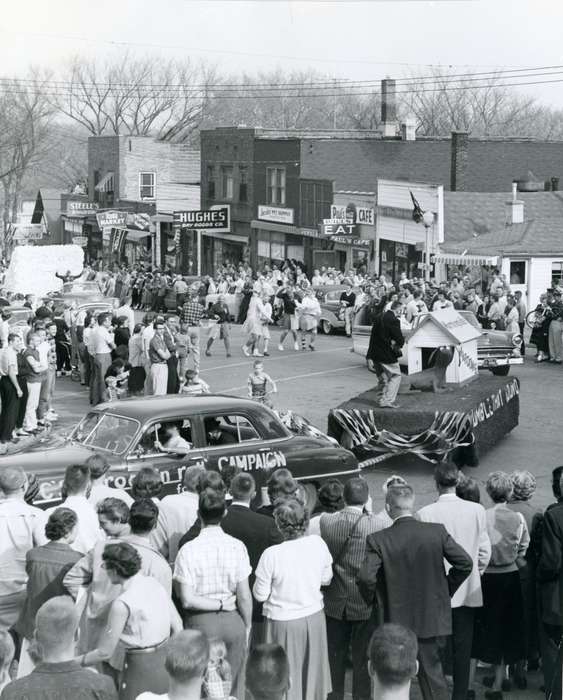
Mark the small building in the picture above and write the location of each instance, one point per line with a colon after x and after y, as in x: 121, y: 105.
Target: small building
x: 439, y: 328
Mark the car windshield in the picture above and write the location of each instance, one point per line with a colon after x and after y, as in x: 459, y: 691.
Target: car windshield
x: 81, y: 288
x: 105, y: 431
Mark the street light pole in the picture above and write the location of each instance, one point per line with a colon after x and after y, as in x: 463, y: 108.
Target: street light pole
x: 428, y: 221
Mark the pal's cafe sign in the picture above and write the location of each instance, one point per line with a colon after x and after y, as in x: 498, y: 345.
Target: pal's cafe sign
x: 344, y: 222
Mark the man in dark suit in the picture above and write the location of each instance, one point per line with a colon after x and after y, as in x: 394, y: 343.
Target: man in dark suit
x: 403, y: 573
x: 383, y: 354
x: 549, y: 573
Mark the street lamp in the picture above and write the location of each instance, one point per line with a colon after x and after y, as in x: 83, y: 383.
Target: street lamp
x: 428, y: 221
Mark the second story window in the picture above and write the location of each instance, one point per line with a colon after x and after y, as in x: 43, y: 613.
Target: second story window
x: 275, y: 182
x: 227, y: 181
x: 147, y: 182
x: 242, y: 183
x: 210, y: 182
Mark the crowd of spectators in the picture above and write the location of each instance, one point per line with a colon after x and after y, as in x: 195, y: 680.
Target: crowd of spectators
x: 211, y: 594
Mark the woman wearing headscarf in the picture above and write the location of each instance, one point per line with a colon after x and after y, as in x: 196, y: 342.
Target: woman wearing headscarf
x: 524, y: 487
x: 288, y: 581
x: 140, y: 621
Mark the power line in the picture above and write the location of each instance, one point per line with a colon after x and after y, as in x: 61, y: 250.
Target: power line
x: 532, y: 71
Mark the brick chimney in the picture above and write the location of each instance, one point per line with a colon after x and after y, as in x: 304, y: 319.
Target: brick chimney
x: 389, y: 107
x: 514, y: 208
x: 460, y: 157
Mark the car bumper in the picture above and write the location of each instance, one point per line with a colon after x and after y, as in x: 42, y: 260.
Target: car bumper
x: 491, y: 362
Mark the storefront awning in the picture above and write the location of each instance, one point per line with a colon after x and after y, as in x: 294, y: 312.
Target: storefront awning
x: 453, y: 259
x: 236, y: 238
x: 134, y: 235
x: 105, y: 184
x: 279, y: 228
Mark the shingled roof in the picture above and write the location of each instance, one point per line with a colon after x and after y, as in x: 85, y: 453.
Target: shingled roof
x: 535, y: 238
x: 469, y: 214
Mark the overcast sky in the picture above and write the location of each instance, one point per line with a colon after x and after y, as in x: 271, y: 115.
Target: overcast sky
x: 363, y: 41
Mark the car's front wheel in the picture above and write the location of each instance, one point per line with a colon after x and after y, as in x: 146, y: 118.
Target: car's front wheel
x: 326, y: 326
x: 501, y: 371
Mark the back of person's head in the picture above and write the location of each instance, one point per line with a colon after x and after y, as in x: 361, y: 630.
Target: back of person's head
x: 76, y: 479
x: 60, y: 524
x: 187, y: 655
x: 143, y: 516
x: 7, y: 651
x: 392, y: 481
x: 291, y: 518
x: 212, y: 506
x: 446, y: 475
x: 400, y: 498
x: 356, y: 492
x: 146, y: 483
x: 267, y: 672
x: 122, y: 558
x: 114, y: 509
x: 211, y: 480
x: 556, y: 482
x: 524, y: 485
x: 56, y: 623
x: 468, y: 489
x: 281, y: 485
x: 331, y: 496
x: 98, y: 465
x: 499, y: 487
x: 192, y: 475
x: 392, y: 656
x: 12, y: 480
x: 243, y: 487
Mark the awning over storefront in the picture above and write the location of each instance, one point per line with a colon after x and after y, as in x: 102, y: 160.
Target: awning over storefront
x: 105, y: 184
x: 234, y: 237
x: 135, y: 235
x: 453, y: 259
x: 279, y: 228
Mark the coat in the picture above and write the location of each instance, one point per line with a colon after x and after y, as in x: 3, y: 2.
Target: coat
x: 386, y: 339
x: 549, y: 570
x: 404, y: 572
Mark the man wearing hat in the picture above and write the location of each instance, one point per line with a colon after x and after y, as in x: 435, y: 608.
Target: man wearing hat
x: 556, y: 328
x: 22, y: 527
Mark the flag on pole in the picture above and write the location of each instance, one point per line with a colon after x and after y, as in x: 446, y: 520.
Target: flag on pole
x: 417, y: 213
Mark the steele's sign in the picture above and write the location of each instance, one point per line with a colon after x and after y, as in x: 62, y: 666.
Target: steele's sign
x: 82, y: 207
x: 216, y: 219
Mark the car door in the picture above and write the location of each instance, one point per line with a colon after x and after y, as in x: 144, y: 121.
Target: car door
x: 170, y: 465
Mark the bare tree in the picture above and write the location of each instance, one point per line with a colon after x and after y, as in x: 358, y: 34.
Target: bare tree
x: 26, y: 116
x: 146, y: 96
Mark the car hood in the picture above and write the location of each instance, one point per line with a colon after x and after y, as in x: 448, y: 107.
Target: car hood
x: 47, y: 456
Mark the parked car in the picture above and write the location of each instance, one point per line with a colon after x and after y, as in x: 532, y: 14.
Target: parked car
x: 332, y: 314
x: 248, y: 436
x: 19, y: 320
x: 497, y: 350
x: 77, y: 291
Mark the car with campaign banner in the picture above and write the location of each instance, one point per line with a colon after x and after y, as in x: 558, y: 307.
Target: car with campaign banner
x: 221, y: 433
x: 497, y: 351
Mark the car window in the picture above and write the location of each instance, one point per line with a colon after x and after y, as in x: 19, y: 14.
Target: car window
x: 229, y: 430
x: 170, y: 434
x: 105, y: 431
x: 333, y: 296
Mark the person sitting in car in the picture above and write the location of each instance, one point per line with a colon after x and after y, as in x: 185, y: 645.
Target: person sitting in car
x: 216, y: 435
x: 174, y: 442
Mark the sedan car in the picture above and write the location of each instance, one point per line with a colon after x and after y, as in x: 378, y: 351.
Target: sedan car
x: 332, y: 313
x: 224, y: 432
x: 19, y: 319
x: 497, y: 350
x: 77, y: 290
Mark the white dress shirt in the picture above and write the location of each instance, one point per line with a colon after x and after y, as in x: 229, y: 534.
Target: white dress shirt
x: 100, y: 491
x: 88, y: 531
x: 177, y: 513
x: 100, y: 339
x: 466, y: 522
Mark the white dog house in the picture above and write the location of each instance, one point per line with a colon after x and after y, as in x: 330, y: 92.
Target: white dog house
x: 439, y: 328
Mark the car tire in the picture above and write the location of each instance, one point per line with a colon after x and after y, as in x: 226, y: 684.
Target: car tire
x: 326, y: 326
x: 501, y: 371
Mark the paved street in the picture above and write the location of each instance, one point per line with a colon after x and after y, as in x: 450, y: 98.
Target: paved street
x: 312, y: 382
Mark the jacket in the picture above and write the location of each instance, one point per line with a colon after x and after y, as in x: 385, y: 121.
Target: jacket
x: 403, y: 572
x: 550, y: 566
x: 386, y: 339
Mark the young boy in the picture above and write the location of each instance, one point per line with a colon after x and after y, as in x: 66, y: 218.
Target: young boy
x: 182, y: 348
x: 193, y: 385
x: 258, y: 382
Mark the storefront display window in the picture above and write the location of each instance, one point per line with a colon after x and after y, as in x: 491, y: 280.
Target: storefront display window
x: 395, y: 258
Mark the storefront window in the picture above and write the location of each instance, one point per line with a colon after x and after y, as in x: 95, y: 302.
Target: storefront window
x: 517, y: 272
x: 556, y: 273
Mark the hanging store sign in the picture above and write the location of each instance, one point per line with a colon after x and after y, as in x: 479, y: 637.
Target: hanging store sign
x: 217, y: 219
x: 84, y: 208
x: 347, y: 240
x: 115, y: 219
x: 80, y: 240
x: 27, y: 232
x: 280, y: 215
x: 338, y: 229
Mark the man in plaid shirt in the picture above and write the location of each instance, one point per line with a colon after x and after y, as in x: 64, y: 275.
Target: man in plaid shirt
x: 191, y: 315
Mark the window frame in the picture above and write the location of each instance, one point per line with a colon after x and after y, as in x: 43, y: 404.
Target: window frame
x: 243, y: 183
x: 226, y: 180
x: 276, y: 193
x: 558, y: 272
x: 141, y: 185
